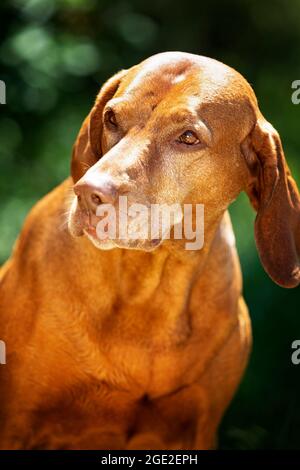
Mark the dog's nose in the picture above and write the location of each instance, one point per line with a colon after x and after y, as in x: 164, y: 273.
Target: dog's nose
x: 91, y: 195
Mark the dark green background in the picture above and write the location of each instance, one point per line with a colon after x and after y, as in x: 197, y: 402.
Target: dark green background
x: 54, y: 55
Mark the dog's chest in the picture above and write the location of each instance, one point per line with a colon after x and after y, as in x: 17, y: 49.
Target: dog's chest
x: 141, y: 371
x: 150, y: 356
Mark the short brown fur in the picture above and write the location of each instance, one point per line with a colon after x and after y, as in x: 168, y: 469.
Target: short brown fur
x: 139, y: 349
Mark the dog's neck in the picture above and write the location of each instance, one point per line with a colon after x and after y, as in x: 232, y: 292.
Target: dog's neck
x: 150, y: 296
x: 137, y: 277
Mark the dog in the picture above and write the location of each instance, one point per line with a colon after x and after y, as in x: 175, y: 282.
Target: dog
x: 115, y: 343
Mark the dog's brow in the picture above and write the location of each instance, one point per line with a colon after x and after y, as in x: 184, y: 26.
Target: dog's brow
x: 114, y: 103
x: 182, y: 115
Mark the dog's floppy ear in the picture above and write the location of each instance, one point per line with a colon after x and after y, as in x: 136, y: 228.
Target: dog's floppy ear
x: 274, y: 195
x: 87, y: 148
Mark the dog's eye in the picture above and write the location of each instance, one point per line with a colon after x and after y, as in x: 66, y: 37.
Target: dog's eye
x: 188, y: 138
x: 110, y: 118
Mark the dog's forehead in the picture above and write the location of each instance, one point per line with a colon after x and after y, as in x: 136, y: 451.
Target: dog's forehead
x: 178, y: 76
x: 157, y: 73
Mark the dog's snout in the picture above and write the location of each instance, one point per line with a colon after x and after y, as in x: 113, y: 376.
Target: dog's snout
x: 90, y: 196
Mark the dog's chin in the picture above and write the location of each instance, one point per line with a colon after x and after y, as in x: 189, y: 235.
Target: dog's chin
x: 142, y: 245
x: 127, y: 244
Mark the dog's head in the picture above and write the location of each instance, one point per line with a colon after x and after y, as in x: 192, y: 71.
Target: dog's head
x: 184, y: 129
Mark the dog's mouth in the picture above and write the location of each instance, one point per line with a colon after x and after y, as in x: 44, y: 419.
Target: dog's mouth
x: 83, y: 223
x: 103, y: 244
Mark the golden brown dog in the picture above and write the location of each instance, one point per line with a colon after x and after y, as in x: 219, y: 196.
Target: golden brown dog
x: 116, y: 348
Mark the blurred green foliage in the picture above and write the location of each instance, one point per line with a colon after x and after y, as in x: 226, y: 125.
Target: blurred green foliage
x: 54, y: 55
